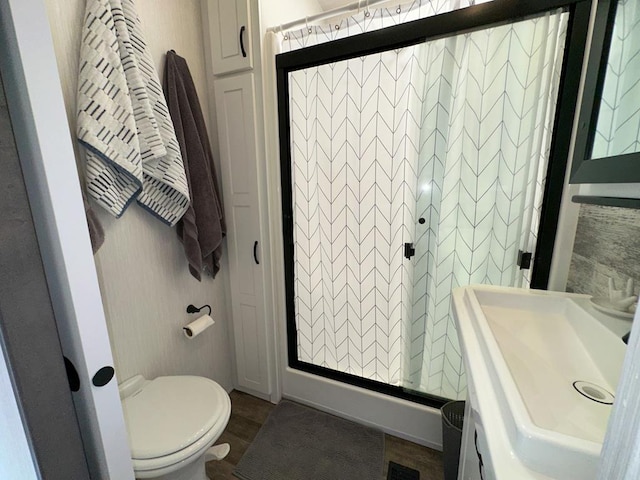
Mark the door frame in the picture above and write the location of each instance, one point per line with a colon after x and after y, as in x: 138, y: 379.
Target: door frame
x: 491, y: 14
x: 28, y: 335
x: 43, y: 140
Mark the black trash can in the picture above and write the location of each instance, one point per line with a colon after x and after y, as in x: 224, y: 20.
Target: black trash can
x: 452, y: 419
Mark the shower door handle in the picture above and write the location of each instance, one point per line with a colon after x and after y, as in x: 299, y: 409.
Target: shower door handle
x: 409, y: 250
x: 524, y: 260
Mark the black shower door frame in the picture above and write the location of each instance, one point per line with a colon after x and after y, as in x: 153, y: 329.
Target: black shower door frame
x: 478, y: 17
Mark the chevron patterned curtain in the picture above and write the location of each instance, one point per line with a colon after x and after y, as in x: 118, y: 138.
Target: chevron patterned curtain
x: 443, y: 145
x: 354, y: 132
x: 368, y: 19
x: 487, y: 118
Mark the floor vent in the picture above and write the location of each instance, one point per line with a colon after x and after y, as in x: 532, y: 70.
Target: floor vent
x: 400, y: 472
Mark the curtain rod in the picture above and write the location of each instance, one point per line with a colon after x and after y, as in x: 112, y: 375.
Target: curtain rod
x: 328, y: 14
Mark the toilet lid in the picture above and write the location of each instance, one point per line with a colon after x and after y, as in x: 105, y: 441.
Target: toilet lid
x: 171, y: 413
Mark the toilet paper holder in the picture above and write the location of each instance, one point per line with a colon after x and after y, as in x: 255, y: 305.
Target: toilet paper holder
x: 193, y: 309
x: 199, y: 325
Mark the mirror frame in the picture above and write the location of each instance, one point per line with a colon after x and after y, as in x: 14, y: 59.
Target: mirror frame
x: 599, y: 170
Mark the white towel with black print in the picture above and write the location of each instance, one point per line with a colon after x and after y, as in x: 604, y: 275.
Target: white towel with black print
x: 123, y: 119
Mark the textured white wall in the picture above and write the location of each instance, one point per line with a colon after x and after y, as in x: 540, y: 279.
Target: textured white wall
x: 277, y: 12
x: 143, y: 272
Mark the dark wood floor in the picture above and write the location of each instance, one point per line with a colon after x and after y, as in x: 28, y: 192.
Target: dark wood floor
x: 249, y: 413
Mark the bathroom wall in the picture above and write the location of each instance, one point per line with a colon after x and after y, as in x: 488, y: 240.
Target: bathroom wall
x: 278, y: 12
x: 606, y: 245
x: 143, y: 273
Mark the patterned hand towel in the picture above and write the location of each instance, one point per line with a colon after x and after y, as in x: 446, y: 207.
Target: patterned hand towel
x: 123, y: 120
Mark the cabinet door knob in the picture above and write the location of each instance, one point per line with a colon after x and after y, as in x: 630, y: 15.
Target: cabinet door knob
x: 255, y: 252
x: 103, y: 376
x: 244, y: 52
x: 481, y: 463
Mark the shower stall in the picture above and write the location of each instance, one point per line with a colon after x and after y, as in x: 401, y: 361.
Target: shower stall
x: 415, y: 159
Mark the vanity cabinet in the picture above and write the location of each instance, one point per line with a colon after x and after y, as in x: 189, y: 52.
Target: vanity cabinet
x: 523, y: 351
x: 474, y: 458
x: 237, y: 130
x: 470, y: 468
x: 230, y: 35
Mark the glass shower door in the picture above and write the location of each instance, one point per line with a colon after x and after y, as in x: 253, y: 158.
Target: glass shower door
x: 414, y: 171
x: 487, y: 120
x: 353, y: 197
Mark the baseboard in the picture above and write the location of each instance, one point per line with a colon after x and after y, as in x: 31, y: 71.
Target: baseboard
x: 404, y: 419
x: 253, y: 393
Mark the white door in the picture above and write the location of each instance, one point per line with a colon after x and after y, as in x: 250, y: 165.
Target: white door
x: 48, y: 163
x: 236, y: 112
x: 230, y: 35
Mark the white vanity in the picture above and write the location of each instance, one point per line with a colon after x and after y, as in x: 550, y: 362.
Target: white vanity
x: 541, y: 371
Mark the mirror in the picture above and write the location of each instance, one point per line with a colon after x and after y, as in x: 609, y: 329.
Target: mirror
x: 608, y: 141
x: 618, y: 125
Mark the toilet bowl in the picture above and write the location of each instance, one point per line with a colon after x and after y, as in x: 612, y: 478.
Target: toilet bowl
x: 171, y: 423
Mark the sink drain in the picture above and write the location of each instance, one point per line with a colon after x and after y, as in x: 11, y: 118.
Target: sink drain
x: 594, y: 392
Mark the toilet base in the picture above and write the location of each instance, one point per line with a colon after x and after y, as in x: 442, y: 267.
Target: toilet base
x: 193, y: 471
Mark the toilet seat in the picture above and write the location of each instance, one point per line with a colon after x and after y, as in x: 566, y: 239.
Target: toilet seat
x: 172, y: 419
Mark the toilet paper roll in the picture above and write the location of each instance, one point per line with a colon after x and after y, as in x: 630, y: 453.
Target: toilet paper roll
x: 198, y: 326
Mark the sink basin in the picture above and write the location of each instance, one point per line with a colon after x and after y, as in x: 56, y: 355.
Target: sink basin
x: 553, y: 368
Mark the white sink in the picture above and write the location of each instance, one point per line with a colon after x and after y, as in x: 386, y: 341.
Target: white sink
x: 529, y: 347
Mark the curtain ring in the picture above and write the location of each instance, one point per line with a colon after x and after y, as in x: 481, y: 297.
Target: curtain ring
x: 284, y: 35
x: 367, y: 13
x: 306, y: 22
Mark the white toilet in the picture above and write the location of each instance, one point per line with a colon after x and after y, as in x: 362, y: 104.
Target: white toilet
x: 172, y: 422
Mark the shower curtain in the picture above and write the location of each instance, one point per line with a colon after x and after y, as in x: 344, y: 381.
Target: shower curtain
x: 366, y: 20
x: 443, y: 145
x: 354, y: 147
x: 488, y: 107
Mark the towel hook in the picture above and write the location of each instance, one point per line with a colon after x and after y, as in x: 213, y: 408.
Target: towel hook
x: 193, y: 309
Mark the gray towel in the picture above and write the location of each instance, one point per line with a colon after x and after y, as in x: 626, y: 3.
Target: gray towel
x: 202, y: 227
x: 96, y: 232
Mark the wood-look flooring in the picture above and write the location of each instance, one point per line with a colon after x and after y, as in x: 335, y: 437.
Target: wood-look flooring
x: 248, y: 413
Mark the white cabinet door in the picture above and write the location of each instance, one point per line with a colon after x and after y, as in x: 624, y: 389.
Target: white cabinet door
x: 230, y: 35
x: 236, y: 112
x: 469, y: 466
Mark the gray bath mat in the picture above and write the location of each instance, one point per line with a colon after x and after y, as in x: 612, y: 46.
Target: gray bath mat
x: 299, y: 443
